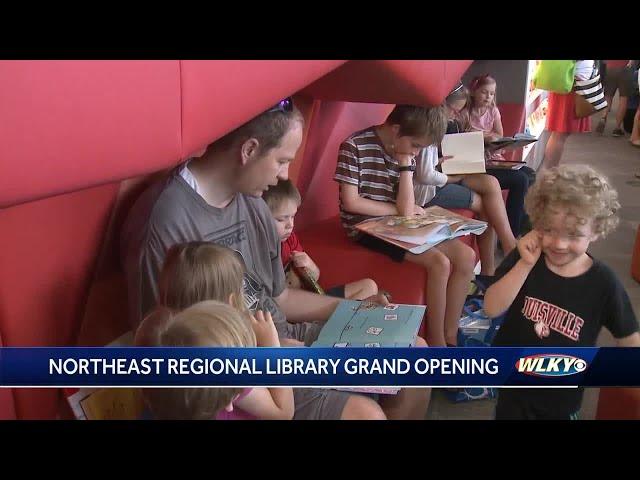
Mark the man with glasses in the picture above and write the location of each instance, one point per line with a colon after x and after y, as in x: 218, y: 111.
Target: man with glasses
x: 216, y: 197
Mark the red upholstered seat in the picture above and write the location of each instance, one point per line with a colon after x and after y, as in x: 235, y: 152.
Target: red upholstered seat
x: 341, y: 261
x: 619, y: 404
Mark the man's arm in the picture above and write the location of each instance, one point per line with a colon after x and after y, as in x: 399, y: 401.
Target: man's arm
x: 300, y: 306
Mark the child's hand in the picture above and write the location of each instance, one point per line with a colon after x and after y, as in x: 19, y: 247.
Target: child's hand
x: 418, y: 210
x: 265, y: 329
x: 290, y: 342
x: 441, y: 160
x: 293, y: 280
x: 454, y: 178
x: 301, y: 260
x: 379, y: 298
x: 530, y: 247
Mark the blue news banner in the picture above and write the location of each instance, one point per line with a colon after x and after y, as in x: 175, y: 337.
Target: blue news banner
x: 318, y: 367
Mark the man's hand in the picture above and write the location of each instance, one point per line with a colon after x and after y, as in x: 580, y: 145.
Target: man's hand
x: 530, y: 247
x: 265, y: 329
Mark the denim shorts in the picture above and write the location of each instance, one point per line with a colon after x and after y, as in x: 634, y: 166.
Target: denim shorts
x: 452, y: 195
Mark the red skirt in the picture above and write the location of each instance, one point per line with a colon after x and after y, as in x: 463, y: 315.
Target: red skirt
x: 561, y: 115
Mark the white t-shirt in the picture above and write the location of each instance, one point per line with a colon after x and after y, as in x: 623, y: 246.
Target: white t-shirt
x: 188, y: 177
x: 584, y: 69
x: 427, y: 178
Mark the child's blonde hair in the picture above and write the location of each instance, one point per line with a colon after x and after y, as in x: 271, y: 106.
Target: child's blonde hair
x: 205, y: 324
x: 277, y: 194
x: 460, y: 92
x: 479, y: 82
x: 197, y: 271
x: 580, y: 189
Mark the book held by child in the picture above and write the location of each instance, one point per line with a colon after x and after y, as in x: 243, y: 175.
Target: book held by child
x: 467, y: 150
x: 419, y: 233
x: 519, y: 140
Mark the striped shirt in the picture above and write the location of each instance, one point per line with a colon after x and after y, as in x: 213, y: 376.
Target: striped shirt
x: 362, y: 161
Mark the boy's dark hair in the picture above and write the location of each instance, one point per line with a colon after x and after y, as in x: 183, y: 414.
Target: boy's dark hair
x: 268, y: 128
x: 419, y: 121
x: 284, y: 190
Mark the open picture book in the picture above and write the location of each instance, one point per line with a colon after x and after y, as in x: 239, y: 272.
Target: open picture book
x: 365, y: 324
x: 519, y: 140
x: 89, y: 403
x: 419, y: 233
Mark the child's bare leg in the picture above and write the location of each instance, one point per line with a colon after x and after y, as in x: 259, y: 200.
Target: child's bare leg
x: 408, y: 403
x: 462, y: 259
x: 554, y: 149
x: 492, y: 207
x: 360, y: 289
x: 486, y: 241
x: 438, y: 268
x: 487, y: 246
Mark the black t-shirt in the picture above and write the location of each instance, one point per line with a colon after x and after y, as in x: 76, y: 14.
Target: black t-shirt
x: 556, y: 311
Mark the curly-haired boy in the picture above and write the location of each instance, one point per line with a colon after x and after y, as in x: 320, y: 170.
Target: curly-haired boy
x: 554, y: 292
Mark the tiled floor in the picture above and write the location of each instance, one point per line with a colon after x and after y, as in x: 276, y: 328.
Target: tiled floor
x: 619, y: 160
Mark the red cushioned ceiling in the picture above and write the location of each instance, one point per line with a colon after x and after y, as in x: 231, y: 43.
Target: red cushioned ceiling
x: 68, y: 125
x: 218, y: 96
x: 419, y: 82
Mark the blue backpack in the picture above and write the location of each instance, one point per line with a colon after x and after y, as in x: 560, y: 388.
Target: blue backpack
x: 475, y: 330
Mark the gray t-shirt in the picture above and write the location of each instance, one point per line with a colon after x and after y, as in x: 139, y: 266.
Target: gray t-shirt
x: 171, y: 212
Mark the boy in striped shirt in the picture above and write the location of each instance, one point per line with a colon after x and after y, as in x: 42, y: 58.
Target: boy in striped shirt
x: 375, y: 172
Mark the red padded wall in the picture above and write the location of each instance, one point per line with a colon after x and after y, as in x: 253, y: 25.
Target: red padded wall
x: 68, y: 125
x: 331, y: 123
x: 48, y: 250
x: 7, y: 405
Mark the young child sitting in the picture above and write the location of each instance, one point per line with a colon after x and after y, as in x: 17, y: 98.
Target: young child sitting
x: 283, y: 200
x: 554, y: 292
x: 478, y: 192
x: 484, y: 116
x: 193, y: 275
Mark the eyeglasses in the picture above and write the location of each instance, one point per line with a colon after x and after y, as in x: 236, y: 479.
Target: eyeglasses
x: 459, y: 87
x: 285, y: 105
